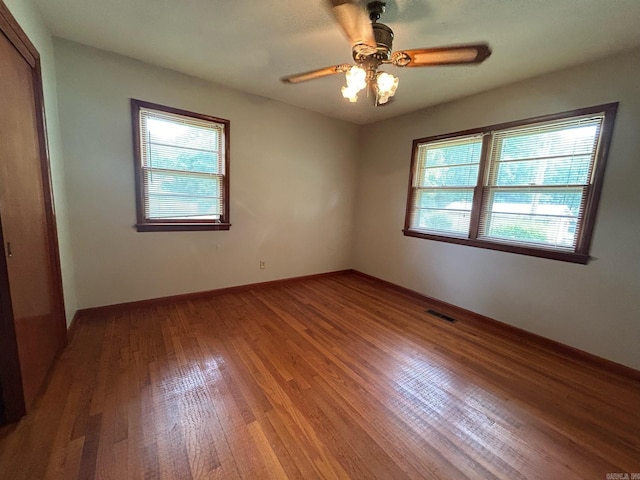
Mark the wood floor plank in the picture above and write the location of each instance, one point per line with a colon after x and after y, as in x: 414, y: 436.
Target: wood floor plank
x: 330, y: 377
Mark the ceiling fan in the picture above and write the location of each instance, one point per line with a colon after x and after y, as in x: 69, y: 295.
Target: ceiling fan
x: 371, y: 44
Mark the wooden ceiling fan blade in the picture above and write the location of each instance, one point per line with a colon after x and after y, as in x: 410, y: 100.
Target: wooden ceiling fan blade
x: 355, y: 23
x: 454, y: 55
x: 313, y: 74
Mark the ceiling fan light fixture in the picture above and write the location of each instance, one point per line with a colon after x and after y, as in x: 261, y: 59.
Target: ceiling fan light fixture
x: 386, y: 86
x: 356, y: 80
x: 350, y: 93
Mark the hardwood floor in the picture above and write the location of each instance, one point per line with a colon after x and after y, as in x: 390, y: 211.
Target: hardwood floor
x: 335, y: 377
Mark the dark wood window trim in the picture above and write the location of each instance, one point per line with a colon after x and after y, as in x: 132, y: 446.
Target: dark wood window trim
x: 585, y: 233
x: 151, y: 225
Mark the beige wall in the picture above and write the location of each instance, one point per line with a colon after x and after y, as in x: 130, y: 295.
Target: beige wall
x: 594, y: 307
x: 29, y: 19
x: 293, y: 178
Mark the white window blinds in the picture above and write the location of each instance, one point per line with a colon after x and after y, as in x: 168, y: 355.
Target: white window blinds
x: 182, y: 166
x: 443, y: 185
x: 538, y: 180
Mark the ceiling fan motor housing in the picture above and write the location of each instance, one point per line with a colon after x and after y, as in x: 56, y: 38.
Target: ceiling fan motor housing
x: 383, y: 36
x: 384, y: 39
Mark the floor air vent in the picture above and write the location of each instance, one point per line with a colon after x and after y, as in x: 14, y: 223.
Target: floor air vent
x: 444, y: 317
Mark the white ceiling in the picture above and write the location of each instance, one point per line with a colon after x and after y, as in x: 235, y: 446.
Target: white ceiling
x: 250, y: 44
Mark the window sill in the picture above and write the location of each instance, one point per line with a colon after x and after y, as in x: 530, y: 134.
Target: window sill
x: 181, y: 227
x: 504, y: 247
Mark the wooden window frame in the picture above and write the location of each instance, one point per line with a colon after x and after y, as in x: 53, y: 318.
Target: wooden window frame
x: 152, y: 225
x: 585, y: 228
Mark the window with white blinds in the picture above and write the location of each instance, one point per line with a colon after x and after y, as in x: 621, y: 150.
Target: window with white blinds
x: 528, y: 187
x: 444, y: 183
x: 182, y: 169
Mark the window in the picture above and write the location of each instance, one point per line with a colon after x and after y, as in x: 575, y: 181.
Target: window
x: 529, y: 187
x: 182, y: 169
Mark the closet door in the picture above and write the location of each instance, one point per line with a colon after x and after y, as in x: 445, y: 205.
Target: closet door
x: 29, y: 272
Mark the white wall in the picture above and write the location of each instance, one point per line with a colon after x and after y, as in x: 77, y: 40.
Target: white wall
x: 594, y: 307
x: 293, y: 181
x: 31, y: 22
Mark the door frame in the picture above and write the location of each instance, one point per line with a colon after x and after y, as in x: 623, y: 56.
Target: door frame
x: 10, y: 374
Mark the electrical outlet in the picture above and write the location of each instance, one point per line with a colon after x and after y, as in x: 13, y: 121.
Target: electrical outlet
x: 262, y: 265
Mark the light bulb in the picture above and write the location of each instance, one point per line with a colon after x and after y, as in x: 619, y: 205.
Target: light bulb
x: 386, y: 86
x: 356, y: 81
x: 350, y: 93
x: 356, y: 78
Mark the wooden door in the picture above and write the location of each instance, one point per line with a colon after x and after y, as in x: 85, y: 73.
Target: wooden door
x: 29, y: 272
